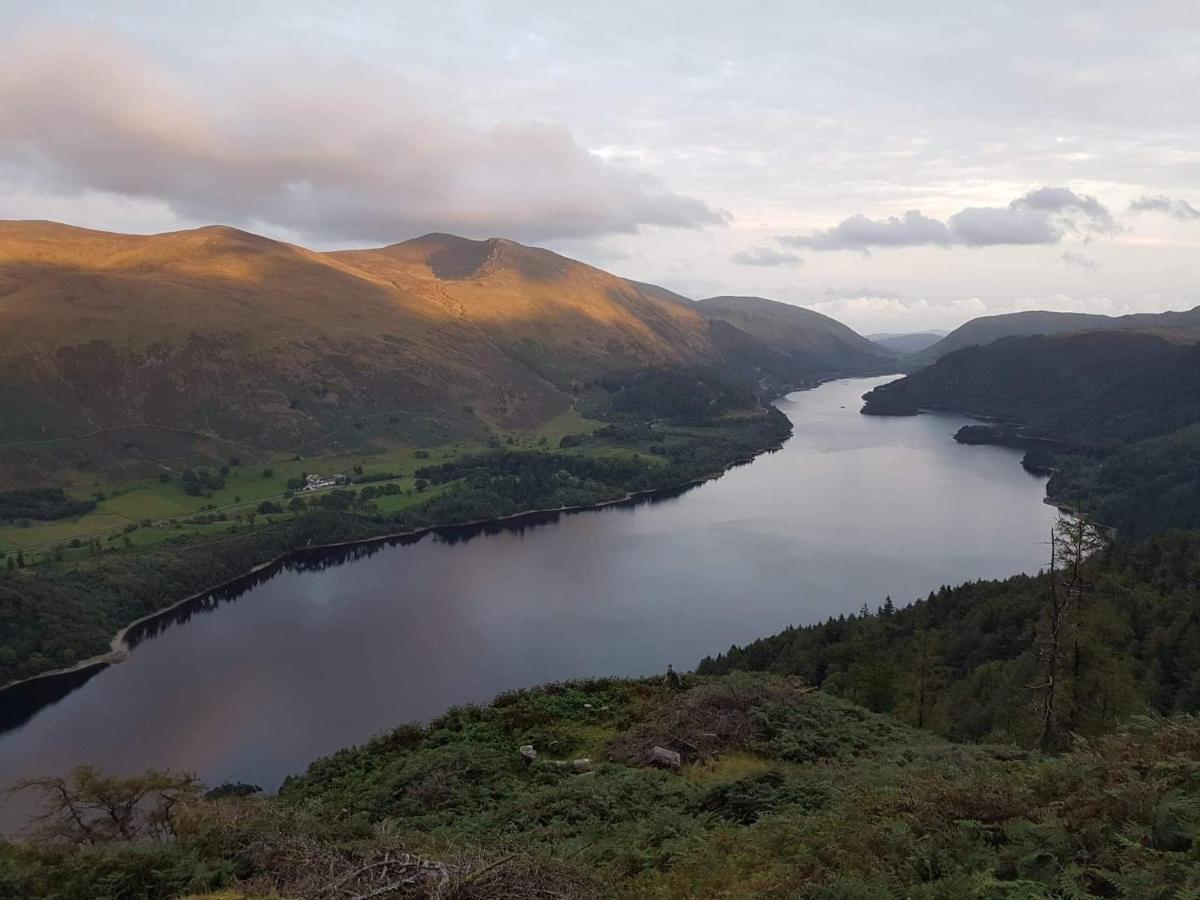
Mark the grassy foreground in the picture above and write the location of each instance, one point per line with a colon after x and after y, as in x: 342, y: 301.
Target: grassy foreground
x: 782, y: 792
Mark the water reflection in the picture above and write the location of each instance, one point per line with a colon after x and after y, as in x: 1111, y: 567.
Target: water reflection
x: 322, y: 559
x: 21, y: 702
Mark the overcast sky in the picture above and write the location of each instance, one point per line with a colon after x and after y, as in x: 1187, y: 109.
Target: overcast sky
x: 900, y: 166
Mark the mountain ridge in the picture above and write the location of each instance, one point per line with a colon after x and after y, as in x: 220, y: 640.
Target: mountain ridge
x: 983, y: 330
x: 122, y: 352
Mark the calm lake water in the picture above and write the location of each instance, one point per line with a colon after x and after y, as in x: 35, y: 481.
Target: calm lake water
x: 327, y: 651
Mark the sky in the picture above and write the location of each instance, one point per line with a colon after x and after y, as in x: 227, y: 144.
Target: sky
x: 899, y: 166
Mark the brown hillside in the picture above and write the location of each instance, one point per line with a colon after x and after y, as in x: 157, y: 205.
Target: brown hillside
x: 119, y: 350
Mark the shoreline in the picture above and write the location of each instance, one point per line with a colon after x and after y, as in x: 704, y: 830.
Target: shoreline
x: 119, y: 651
x: 1056, y: 502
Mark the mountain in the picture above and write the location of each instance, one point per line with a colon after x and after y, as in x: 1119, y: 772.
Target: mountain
x: 986, y: 329
x: 120, y: 347
x: 121, y: 351
x: 1096, y: 388
x: 661, y: 293
x: 814, y: 342
x: 906, y: 343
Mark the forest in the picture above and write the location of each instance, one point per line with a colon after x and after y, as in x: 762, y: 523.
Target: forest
x: 962, y: 660
x: 44, y: 504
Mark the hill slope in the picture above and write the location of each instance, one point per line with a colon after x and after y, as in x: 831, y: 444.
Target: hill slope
x: 780, y: 792
x: 813, y: 342
x: 119, y: 352
x: 986, y: 329
x: 1095, y: 388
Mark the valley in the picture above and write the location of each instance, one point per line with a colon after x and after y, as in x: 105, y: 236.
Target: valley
x: 341, y: 643
x: 629, y: 480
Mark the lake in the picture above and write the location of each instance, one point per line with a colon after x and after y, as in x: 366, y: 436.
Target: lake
x: 252, y: 684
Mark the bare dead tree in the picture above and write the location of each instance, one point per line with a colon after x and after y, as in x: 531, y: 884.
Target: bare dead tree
x: 927, y: 664
x: 1073, y: 541
x: 88, y: 807
x: 1050, y: 653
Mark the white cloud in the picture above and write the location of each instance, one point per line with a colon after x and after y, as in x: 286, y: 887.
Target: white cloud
x: 341, y: 154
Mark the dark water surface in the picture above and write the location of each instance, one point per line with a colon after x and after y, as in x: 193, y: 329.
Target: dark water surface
x: 252, y: 685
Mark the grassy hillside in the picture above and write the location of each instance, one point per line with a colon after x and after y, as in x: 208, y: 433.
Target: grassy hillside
x: 986, y: 329
x: 124, y: 354
x: 781, y: 792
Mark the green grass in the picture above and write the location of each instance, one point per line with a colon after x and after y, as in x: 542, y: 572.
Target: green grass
x: 245, y: 485
x: 52, y: 532
x: 145, y: 503
x: 394, y: 502
x: 569, y: 422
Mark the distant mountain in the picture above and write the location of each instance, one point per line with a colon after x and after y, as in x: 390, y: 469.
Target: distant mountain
x: 907, y: 343
x: 1096, y: 388
x: 119, y: 351
x: 817, y: 343
x: 986, y: 329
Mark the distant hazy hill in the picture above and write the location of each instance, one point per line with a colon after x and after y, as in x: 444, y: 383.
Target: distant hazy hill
x: 1098, y: 388
x: 986, y: 329
x: 817, y: 342
x: 116, y: 350
x: 906, y: 343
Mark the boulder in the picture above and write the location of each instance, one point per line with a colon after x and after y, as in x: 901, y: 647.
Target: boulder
x: 667, y: 759
x: 528, y: 753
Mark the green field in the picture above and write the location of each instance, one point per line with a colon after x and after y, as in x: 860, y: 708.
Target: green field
x: 52, y: 532
x: 246, y: 485
x: 145, y: 503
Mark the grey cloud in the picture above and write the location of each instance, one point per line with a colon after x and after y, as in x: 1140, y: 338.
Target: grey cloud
x: 861, y: 233
x: 986, y: 226
x: 1043, y: 216
x: 346, y: 155
x: 1176, y: 209
x: 1079, y: 261
x: 765, y: 256
x: 1058, y: 199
